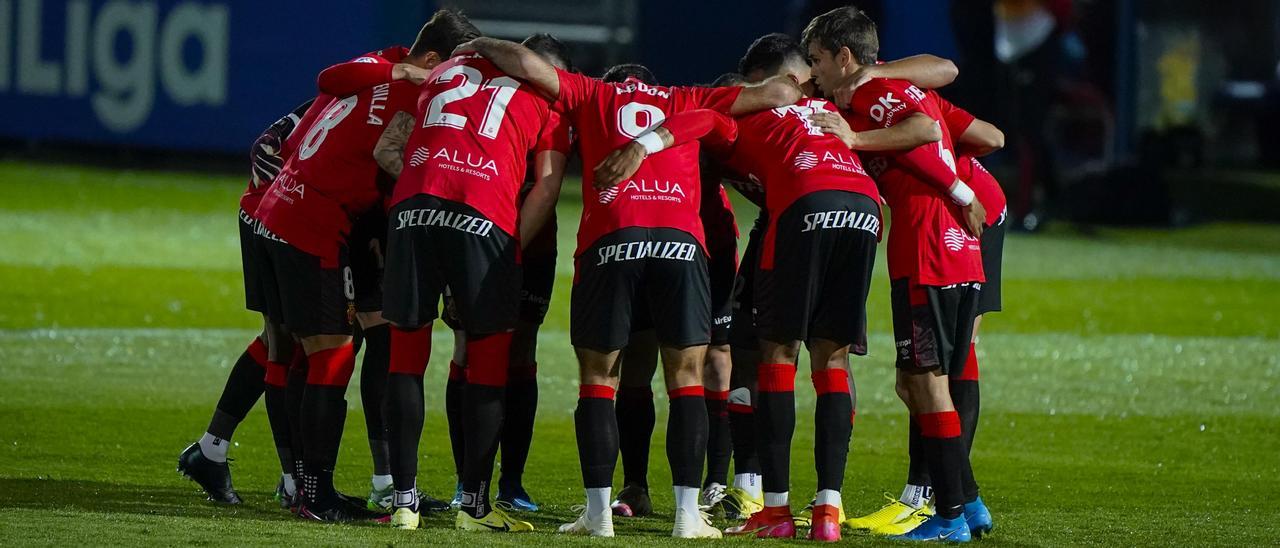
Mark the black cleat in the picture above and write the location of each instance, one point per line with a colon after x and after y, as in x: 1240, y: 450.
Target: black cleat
x: 213, y: 477
x: 633, y: 501
x: 428, y: 503
x: 339, y: 510
x: 287, y: 501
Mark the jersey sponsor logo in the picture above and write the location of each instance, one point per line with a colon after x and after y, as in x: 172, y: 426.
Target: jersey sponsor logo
x: 630, y: 251
x: 806, y: 160
x: 446, y: 219
x: 646, y: 191
x: 722, y: 320
x: 261, y: 230
x: 287, y: 188
x: 843, y: 162
x: 956, y: 239
x: 859, y: 220
x: 378, y: 102
x: 475, y: 165
x: 419, y: 156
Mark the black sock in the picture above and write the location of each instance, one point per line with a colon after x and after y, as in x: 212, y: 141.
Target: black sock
x: 454, y: 392
x: 636, y: 420
x: 687, y: 436
x: 244, y: 387
x: 278, y: 418
x: 965, y: 396
x: 833, y: 426
x: 373, y: 385
x: 482, y: 424
x: 597, y: 428
x: 719, y: 443
x: 404, y: 410
x: 517, y: 426
x: 918, y: 459
x: 742, y: 423
x: 947, y: 459
x: 776, y: 424
x: 297, y: 382
x: 324, y: 413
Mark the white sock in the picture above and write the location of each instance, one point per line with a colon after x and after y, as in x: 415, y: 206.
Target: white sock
x: 830, y: 497
x: 214, y: 448
x: 915, y: 496
x: 774, y: 500
x: 598, y: 500
x: 290, y: 488
x: 686, y: 500
x: 381, y: 483
x: 749, y: 483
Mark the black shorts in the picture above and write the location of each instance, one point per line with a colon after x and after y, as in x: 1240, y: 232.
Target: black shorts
x: 253, y: 262
x: 305, y: 294
x: 742, y: 329
x: 722, y: 268
x: 539, y: 274
x: 662, y: 268
x: 824, y: 255
x: 992, y: 243
x: 368, y: 248
x: 436, y: 246
x: 932, y: 326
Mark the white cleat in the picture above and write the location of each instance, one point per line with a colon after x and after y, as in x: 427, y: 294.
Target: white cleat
x: 694, y: 526
x: 711, y: 496
x: 596, y: 526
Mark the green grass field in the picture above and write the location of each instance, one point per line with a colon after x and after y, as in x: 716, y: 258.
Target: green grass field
x: 1131, y: 389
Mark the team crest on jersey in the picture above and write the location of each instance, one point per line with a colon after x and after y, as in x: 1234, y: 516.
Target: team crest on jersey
x: 956, y: 239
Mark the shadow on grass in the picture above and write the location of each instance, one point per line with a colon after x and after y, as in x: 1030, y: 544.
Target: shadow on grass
x: 97, y: 496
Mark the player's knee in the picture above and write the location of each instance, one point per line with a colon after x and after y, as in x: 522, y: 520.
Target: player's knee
x: 369, y: 320
x: 779, y: 352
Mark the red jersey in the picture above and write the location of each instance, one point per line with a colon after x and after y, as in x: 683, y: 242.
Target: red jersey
x: 476, y: 126
x: 342, y: 74
x: 793, y: 158
x: 984, y: 185
x: 665, y: 192
x: 332, y: 176
x: 928, y: 242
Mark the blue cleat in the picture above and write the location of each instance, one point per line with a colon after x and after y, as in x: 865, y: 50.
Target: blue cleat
x: 978, y: 518
x: 456, y: 503
x: 518, y: 498
x: 939, y: 529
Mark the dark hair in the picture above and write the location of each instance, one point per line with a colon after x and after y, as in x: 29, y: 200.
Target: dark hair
x: 846, y: 27
x: 620, y: 73
x: 770, y: 52
x: 444, y: 32
x: 728, y: 79
x: 551, y: 49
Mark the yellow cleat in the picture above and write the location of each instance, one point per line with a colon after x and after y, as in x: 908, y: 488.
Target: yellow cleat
x: 805, y: 517
x: 905, y: 525
x: 405, y: 518
x: 496, y: 521
x: 739, y: 504
x: 893, y: 512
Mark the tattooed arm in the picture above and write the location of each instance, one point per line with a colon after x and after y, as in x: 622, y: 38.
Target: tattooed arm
x: 389, y: 152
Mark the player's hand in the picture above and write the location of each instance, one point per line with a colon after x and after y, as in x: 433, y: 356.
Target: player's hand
x: 619, y: 165
x: 464, y: 48
x: 264, y: 155
x: 843, y: 92
x: 835, y: 124
x: 405, y: 71
x: 975, y: 218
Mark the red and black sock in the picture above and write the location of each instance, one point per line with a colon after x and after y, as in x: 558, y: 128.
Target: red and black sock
x: 918, y: 465
x: 488, y: 359
x: 373, y: 387
x: 403, y: 406
x: 244, y: 387
x: 966, y: 397
x: 596, y: 426
x: 947, y: 458
x: 455, y: 391
x: 324, y: 413
x: 776, y: 423
x: 833, y: 426
x: 636, y: 420
x: 719, y: 441
x: 742, y: 424
x: 276, y: 382
x: 687, y: 435
x: 517, y: 427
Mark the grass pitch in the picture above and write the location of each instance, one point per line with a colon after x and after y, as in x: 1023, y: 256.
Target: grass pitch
x: 1131, y: 389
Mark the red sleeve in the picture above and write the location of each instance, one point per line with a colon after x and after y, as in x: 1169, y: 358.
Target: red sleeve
x: 718, y: 99
x: 574, y: 90
x: 555, y: 136
x: 344, y: 79
x: 957, y: 119
x: 883, y: 103
x: 704, y: 124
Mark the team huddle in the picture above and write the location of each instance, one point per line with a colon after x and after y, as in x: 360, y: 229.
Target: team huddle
x: 421, y: 183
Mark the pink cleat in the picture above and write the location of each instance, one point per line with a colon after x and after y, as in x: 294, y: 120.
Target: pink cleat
x: 772, y: 522
x: 825, y: 524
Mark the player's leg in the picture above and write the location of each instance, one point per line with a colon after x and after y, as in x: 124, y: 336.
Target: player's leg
x: 636, y: 420
x: 521, y: 410
x: 373, y: 385
x: 455, y: 390
x: 746, y: 496
x: 281, y: 353
x: 716, y: 374
x: 833, y: 427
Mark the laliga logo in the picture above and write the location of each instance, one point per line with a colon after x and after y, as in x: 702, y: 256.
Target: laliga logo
x: 955, y: 239
x: 125, y: 88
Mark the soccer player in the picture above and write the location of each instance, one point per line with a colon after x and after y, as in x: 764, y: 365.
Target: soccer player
x: 639, y: 241
x: 935, y: 263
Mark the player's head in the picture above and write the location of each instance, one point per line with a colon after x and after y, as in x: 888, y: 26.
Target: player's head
x: 444, y: 32
x: 620, y: 73
x: 729, y: 79
x: 550, y: 49
x: 775, y: 54
x: 838, y: 43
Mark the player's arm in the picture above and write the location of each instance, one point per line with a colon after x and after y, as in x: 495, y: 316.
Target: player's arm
x: 516, y: 61
x: 345, y: 79
x: 980, y: 139
x: 916, y: 130
x: 775, y: 92
x: 389, y: 152
x: 265, y: 152
x: 676, y: 130
x: 540, y: 205
x: 924, y: 71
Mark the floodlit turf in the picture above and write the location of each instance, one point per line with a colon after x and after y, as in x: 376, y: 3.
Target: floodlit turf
x: 1132, y: 389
